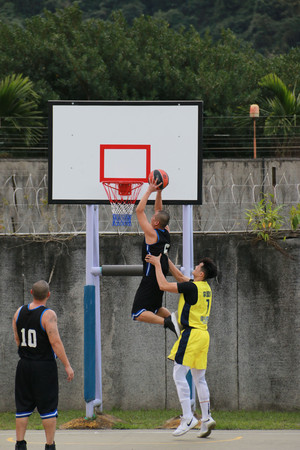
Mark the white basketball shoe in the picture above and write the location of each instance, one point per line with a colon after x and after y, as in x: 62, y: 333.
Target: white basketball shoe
x: 185, y: 426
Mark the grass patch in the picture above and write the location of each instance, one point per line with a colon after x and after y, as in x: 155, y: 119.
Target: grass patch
x: 142, y: 419
x: 257, y: 420
x: 151, y: 419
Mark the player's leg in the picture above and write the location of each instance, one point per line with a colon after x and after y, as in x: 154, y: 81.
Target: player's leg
x: 183, y: 389
x: 170, y: 320
x: 167, y: 321
x: 150, y: 317
x: 46, y: 393
x: 21, y: 425
x: 207, y: 422
x: 202, y: 391
x: 188, y: 421
x: 163, y: 312
x: 24, y: 401
x: 50, y: 427
x: 147, y: 307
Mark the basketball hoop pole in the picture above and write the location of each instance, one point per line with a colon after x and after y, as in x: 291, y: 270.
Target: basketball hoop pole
x: 92, y: 358
x: 188, y: 262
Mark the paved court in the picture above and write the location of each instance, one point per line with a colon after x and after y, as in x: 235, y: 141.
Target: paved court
x: 158, y: 440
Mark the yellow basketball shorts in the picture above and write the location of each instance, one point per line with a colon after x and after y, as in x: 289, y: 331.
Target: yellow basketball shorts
x: 191, y: 348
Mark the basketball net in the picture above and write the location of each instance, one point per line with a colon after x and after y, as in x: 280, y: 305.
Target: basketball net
x: 122, y: 198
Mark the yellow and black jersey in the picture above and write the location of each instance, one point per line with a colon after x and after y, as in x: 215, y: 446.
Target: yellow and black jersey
x: 194, y: 304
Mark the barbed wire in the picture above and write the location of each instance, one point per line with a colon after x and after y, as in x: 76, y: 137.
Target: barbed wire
x: 25, y: 210
x: 23, y: 196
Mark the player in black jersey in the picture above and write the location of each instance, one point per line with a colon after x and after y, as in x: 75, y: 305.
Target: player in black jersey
x: 36, y: 383
x: 147, y: 305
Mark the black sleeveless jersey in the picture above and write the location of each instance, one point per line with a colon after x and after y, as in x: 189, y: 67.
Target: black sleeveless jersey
x: 160, y: 247
x: 34, y: 342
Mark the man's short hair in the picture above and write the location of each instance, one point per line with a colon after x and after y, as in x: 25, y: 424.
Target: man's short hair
x: 209, y: 268
x: 163, y: 217
x: 40, y: 290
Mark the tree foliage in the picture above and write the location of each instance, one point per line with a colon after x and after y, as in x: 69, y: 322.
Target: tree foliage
x: 18, y: 108
x: 271, y: 26
x: 282, y: 106
x: 69, y: 57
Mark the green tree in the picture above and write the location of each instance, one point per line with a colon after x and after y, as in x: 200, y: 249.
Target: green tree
x: 229, y: 71
x: 282, y: 108
x: 271, y: 26
x: 69, y: 57
x: 18, y: 109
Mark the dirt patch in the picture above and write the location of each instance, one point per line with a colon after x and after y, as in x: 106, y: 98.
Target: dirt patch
x: 174, y: 422
x: 100, y: 422
x: 105, y: 421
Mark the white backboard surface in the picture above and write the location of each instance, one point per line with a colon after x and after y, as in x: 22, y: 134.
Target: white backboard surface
x: 169, y: 133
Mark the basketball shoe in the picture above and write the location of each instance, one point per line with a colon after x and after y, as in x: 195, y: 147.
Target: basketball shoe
x: 21, y: 445
x: 50, y: 446
x: 171, y: 323
x: 185, y: 426
x: 206, y: 427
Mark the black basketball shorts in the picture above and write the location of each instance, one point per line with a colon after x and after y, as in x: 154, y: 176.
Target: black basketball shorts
x: 36, y: 386
x: 148, y: 297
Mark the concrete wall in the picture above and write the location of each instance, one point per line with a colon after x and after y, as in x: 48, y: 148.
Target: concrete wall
x: 229, y: 188
x: 254, y: 357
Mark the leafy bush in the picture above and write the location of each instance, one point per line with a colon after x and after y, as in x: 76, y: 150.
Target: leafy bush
x: 295, y: 217
x: 265, y: 219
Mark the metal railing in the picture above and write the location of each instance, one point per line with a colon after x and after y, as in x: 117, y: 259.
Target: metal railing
x: 222, y: 138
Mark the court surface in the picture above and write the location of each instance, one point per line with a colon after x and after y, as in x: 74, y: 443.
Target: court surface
x: 158, y: 440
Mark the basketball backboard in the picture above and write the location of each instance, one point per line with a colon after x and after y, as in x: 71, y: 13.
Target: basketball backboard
x: 92, y: 142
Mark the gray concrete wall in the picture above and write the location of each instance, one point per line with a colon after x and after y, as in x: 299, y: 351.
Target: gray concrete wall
x: 254, y: 357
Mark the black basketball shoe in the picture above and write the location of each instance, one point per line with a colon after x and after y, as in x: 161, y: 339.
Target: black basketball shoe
x: 21, y: 445
x: 172, y: 324
x: 50, y: 446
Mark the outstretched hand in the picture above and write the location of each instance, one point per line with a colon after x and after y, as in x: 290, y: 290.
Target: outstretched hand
x: 155, y: 260
x: 153, y: 185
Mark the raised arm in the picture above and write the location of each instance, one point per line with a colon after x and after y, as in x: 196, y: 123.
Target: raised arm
x: 49, y: 322
x: 179, y: 276
x: 158, y: 206
x: 150, y: 233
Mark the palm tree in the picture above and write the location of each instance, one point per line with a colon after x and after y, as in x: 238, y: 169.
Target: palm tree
x: 18, y: 110
x: 281, y: 108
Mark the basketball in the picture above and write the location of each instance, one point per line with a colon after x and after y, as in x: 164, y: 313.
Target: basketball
x: 160, y: 176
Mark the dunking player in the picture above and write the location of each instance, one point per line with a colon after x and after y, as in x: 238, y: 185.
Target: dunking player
x: 190, y: 350
x: 147, y: 305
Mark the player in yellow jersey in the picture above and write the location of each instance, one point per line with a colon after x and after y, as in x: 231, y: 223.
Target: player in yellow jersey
x: 190, y: 350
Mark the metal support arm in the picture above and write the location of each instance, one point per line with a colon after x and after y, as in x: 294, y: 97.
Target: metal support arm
x: 121, y: 270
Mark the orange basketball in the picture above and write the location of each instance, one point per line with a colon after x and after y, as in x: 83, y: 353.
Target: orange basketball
x: 160, y: 176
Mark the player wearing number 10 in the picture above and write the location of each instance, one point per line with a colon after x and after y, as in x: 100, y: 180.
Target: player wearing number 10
x: 190, y: 349
x: 36, y: 384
